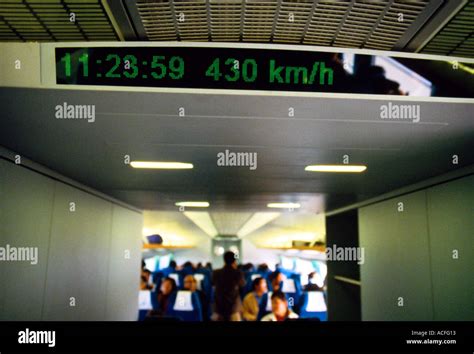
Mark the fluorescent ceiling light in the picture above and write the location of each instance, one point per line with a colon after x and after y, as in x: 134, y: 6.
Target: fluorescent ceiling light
x: 256, y: 221
x: 203, y: 221
x: 335, y: 168
x: 161, y: 165
x: 193, y: 204
x: 284, y: 205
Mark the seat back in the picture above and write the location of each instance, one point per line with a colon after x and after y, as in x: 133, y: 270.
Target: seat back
x: 144, y: 303
x: 199, y: 280
x: 176, y: 278
x: 313, y: 305
x: 290, y: 288
x: 185, y: 305
x: 265, y: 306
x: 144, y: 300
x: 249, y: 277
x: 206, y: 284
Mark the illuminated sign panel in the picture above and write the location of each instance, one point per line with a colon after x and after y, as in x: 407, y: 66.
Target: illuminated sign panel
x: 249, y: 69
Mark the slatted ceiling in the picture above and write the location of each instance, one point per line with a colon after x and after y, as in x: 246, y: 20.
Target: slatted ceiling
x: 195, y: 24
x: 48, y: 20
x: 259, y: 17
x: 457, y: 37
x: 291, y: 22
x: 342, y: 23
x: 389, y: 30
x: 225, y: 20
x: 157, y: 18
x: 324, y: 22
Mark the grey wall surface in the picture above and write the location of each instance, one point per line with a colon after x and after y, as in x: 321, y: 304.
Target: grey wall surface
x: 26, y: 204
x: 408, y: 255
x: 89, y: 257
x: 451, y: 228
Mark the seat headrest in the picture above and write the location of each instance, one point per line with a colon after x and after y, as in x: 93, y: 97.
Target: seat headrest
x: 183, y: 301
x: 269, y: 301
x: 316, y: 302
x: 144, y: 300
x: 199, y: 278
x: 255, y: 276
x: 175, y: 276
x: 288, y: 286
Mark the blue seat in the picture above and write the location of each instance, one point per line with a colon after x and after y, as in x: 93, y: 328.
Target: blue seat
x: 157, y: 277
x: 145, y: 303
x: 265, y: 274
x: 186, y: 271
x: 292, y: 290
x: 265, y: 306
x: 177, y: 278
x: 203, y: 282
x: 167, y: 271
x: 207, y: 284
x: 185, y: 305
x: 313, y: 305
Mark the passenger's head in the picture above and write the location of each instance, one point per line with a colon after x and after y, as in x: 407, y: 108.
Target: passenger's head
x: 190, y: 283
x: 248, y: 267
x: 263, y: 267
x: 173, y: 264
x: 279, y: 304
x: 277, y: 277
x: 259, y: 285
x: 229, y: 258
x: 168, y: 285
x: 188, y: 264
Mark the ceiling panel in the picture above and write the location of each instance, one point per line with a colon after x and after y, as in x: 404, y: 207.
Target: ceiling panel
x: 142, y: 125
x: 353, y: 24
x: 51, y: 20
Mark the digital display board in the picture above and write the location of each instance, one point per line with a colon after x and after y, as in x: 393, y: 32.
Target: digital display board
x: 243, y: 69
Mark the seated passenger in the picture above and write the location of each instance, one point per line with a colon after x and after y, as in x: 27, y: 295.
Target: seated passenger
x: 276, y: 278
x: 168, y: 286
x: 280, y: 310
x: 263, y: 269
x: 190, y: 284
x: 187, y: 269
x: 252, y: 300
x: 313, y: 280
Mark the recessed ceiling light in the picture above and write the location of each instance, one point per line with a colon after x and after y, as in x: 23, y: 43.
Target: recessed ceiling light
x: 193, y: 204
x: 336, y: 168
x: 161, y: 165
x: 283, y: 205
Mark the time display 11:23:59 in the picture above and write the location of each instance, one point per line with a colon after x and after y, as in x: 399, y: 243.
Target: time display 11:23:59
x: 128, y: 66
